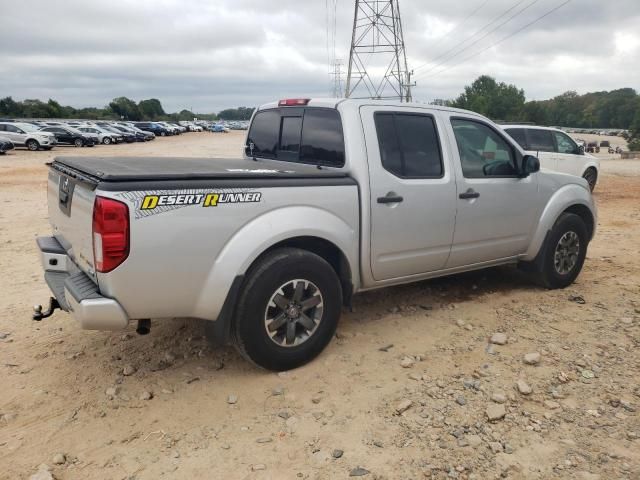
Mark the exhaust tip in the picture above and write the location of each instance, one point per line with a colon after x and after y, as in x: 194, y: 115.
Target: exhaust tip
x: 144, y: 327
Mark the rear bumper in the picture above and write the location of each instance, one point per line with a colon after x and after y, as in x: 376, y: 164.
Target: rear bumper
x: 76, y: 292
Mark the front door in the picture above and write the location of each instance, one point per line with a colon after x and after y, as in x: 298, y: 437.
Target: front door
x: 496, y: 210
x: 412, y: 192
x: 569, y: 157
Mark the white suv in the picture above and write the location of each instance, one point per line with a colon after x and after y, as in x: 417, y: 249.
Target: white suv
x: 27, y: 135
x: 557, y: 151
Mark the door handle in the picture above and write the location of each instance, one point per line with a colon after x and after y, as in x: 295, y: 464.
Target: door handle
x: 390, y: 199
x: 469, y: 194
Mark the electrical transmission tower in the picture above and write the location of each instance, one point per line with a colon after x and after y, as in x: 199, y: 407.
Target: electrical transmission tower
x: 336, y: 73
x: 378, y: 60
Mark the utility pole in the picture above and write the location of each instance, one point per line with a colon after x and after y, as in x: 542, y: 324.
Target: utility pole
x: 377, y: 47
x: 336, y: 73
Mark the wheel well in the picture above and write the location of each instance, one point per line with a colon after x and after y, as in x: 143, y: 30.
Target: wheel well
x: 329, y: 252
x: 594, y: 169
x: 586, y: 215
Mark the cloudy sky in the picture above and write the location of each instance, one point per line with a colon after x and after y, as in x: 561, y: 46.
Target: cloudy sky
x: 208, y: 55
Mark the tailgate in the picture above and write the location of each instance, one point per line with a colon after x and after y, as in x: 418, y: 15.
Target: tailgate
x: 70, y: 197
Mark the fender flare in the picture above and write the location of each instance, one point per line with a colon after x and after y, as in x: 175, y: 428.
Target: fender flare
x: 567, y: 197
x: 262, y: 233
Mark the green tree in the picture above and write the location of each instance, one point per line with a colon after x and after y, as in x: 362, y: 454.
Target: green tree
x: 240, y: 113
x: 10, y: 108
x: 125, y: 108
x: 498, y: 101
x: 151, y: 109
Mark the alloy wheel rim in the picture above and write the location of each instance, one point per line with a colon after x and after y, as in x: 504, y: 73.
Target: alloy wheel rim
x: 293, y: 313
x: 566, y: 253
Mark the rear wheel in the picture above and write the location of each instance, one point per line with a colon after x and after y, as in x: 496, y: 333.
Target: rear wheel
x: 288, y: 309
x: 564, y: 252
x: 78, y: 142
x: 33, y: 145
x: 591, y: 176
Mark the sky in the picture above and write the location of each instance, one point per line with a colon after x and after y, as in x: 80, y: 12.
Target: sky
x: 206, y: 55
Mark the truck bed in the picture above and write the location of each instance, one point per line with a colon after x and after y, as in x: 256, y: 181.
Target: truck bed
x: 136, y: 169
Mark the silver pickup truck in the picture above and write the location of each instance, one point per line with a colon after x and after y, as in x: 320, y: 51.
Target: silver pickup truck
x: 333, y: 197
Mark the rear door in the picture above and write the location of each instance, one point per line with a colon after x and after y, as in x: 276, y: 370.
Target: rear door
x: 15, y: 134
x: 496, y: 210
x: 413, y: 192
x: 542, y: 144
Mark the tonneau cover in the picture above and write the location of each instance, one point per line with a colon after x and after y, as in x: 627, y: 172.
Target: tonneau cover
x: 129, y: 169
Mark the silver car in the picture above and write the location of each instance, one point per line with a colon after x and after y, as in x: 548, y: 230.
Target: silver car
x: 24, y: 134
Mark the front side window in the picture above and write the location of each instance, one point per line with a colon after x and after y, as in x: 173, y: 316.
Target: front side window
x: 409, y: 145
x: 565, y: 143
x: 309, y: 135
x: 483, y: 152
x: 540, y: 140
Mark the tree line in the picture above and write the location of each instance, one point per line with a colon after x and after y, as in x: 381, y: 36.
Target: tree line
x: 617, y: 109
x: 118, y: 108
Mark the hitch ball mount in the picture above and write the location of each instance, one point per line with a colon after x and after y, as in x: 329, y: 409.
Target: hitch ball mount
x: 38, y: 314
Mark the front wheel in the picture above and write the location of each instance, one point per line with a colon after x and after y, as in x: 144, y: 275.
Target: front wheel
x: 288, y: 309
x: 33, y: 145
x: 106, y: 140
x: 78, y: 142
x: 564, y: 252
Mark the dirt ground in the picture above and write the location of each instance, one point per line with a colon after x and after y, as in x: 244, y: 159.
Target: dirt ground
x: 403, y: 392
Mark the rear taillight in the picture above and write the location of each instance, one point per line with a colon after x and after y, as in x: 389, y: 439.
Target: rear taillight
x: 110, y: 233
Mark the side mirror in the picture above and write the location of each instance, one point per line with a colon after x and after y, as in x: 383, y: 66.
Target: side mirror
x: 581, y: 150
x: 530, y: 164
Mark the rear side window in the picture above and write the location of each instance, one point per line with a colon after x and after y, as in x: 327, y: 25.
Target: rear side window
x: 322, y: 138
x: 540, y: 140
x: 519, y: 135
x: 303, y: 135
x: 409, y: 145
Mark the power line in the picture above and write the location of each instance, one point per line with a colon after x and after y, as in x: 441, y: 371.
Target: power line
x: 446, y: 60
x: 524, y: 27
x: 477, y: 32
x: 458, y: 25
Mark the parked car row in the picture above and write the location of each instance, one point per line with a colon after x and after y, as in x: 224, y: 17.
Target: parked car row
x: 44, y: 135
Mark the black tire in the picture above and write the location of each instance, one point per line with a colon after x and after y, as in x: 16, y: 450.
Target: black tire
x: 591, y: 176
x: 163, y: 134
x: 32, y: 145
x: 264, y: 279
x: 106, y: 140
x: 552, y: 275
x: 78, y: 142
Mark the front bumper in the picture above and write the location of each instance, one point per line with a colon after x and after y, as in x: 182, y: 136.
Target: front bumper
x: 76, y: 292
